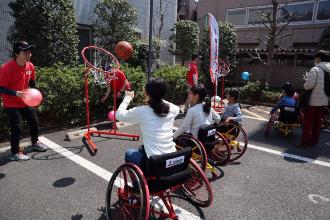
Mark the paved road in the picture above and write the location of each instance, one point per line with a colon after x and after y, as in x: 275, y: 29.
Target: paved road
x: 261, y: 185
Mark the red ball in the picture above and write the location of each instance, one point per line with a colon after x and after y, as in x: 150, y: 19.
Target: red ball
x: 124, y: 50
x: 32, y: 97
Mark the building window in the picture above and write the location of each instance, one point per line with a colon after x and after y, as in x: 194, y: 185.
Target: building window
x: 236, y: 17
x: 323, y: 12
x: 302, y: 12
x: 255, y: 15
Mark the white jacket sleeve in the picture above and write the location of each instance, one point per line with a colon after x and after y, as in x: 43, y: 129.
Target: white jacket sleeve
x: 311, y: 79
x: 185, y: 125
x: 124, y: 115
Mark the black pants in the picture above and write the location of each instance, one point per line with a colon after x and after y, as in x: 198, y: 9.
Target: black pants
x: 16, y: 125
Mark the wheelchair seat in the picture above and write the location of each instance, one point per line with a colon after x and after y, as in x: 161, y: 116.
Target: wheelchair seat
x: 288, y: 115
x: 168, y: 170
x: 206, y: 135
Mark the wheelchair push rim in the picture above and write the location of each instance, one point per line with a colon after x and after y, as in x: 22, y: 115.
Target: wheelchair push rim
x: 127, y: 194
x: 198, y: 151
x: 220, y: 152
x: 198, y: 189
x: 236, y: 138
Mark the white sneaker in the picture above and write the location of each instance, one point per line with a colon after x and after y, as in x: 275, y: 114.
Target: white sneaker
x: 40, y: 147
x: 18, y: 157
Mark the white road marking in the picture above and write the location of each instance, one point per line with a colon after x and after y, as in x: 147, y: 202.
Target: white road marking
x: 313, y: 197
x: 259, y: 109
x: 252, y: 113
x: 104, y: 174
x: 259, y: 119
x: 293, y: 156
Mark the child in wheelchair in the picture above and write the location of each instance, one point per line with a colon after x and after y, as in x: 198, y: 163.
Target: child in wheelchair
x: 232, y: 112
x: 199, y: 119
x: 155, y: 120
x: 287, y: 105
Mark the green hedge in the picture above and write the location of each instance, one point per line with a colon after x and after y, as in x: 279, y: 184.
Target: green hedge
x: 176, y: 79
x: 64, y: 94
x: 256, y: 92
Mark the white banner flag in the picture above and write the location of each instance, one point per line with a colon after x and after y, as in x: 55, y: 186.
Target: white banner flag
x: 214, y: 45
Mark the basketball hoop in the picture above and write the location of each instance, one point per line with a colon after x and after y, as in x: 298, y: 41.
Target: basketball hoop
x: 102, y: 64
x: 223, y: 68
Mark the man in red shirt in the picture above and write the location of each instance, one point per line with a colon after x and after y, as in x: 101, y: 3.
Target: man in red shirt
x: 15, y: 76
x: 192, y: 75
x: 121, y: 83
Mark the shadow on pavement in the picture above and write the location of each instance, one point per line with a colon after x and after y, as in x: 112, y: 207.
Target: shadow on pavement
x: 64, y: 182
x: 2, y: 175
x: 77, y: 217
x: 51, y: 155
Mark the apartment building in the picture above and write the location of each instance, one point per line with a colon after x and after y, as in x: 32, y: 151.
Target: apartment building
x: 311, y: 17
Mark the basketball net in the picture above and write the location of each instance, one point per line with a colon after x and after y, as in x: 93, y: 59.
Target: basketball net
x: 103, y: 67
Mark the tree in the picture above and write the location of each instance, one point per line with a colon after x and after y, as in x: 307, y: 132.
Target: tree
x: 141, y: 52
x: 50, y: 25
x: 274, y: 26
x: 115, y: 21
x: 325, y: 39
x: 186, y: 39
x: 227, y: 50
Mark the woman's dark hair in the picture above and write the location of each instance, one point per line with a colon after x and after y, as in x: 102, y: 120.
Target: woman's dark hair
x: 156, y: 89
x: 201, y: 91
x: 288, y: 89
x: 234, y: 93
x: 323, y: 55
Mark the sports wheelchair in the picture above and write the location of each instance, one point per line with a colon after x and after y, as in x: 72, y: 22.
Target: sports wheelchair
x: 209, y: 150
x: 131, y: 188
x: 285, y: 120
x: 236, y: 138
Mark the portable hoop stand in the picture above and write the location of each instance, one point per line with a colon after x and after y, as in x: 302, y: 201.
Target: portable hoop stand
x: 223, y: 70
x: 109, y: 76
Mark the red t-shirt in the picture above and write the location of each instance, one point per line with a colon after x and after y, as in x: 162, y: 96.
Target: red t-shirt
x: 192, y: 70
x: 15, y: 77
x: 120, y: 81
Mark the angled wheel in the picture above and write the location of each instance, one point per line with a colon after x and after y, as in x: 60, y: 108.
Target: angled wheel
x: 198, y: 188
x: 198, y: 151
x: 270, y: 124
x: 236, y: 138
x: 127, y: 194
x: 220, y: 153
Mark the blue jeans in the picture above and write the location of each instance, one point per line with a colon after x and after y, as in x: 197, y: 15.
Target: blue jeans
x: 135, y: 156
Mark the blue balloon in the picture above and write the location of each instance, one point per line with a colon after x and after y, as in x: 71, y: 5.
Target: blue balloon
x: 245, y: 76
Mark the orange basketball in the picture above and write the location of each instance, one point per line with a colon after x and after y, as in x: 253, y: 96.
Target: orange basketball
x: 124, y: 50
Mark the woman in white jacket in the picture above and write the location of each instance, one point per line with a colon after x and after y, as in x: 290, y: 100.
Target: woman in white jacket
x: 155, y: 120
x: 318, y: 100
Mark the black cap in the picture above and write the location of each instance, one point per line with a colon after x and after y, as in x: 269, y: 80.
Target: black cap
x: 196, y: 55
x: 22, y: 45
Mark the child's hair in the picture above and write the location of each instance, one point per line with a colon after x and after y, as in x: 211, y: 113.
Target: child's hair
x: 201, y: 91
x: 234, y: 93
x: 323, y: 55
x: 288, y: 89
x: 156, y: 89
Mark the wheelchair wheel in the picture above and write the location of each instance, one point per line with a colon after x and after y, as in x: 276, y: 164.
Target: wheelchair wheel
x: 198, y: 151
x: 198, y: 188
x: 127, y: 194
x: 270, y: 124
x: 236, y: 138
x: 221, y: 151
